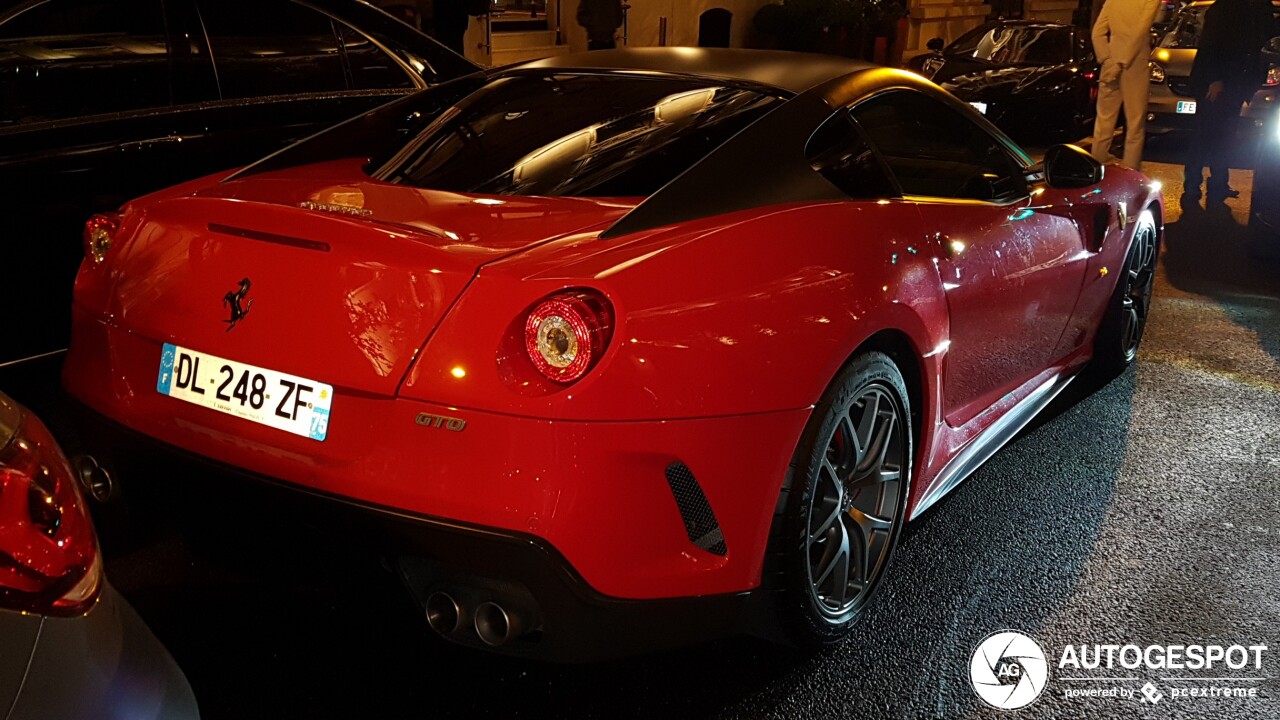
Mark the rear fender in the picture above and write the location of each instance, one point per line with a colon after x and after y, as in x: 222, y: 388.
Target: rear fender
x: 747, y: 313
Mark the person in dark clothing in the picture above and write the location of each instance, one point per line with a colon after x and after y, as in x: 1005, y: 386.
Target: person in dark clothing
x: 1227, y: 71
x: 601, y: 18
x: 450, y: 23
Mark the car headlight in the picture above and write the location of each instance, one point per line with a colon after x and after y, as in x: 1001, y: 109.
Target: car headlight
x: 1156, y: 72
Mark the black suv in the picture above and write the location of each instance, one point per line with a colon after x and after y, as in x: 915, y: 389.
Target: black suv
x: 105, y: 100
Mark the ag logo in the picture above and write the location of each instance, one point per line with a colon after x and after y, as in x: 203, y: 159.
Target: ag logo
x: 1008, y: 670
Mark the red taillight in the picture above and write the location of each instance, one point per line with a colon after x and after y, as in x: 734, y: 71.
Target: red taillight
x: 566, y: 334
x: 49, y: 561
x: 98, y: 234
x: 1273, y: 76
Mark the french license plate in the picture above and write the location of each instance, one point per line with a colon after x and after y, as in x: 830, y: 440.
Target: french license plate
x: 285, y: 402
x: 980, y: 107
x: 1186, y: 107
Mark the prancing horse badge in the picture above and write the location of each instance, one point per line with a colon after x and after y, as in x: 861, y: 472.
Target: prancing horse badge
x: 234, y: 299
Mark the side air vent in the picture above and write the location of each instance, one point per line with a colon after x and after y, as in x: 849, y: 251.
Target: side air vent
x: 699, y: 520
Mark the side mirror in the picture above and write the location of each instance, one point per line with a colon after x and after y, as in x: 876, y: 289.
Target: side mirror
x: 1067, y: 166
x: 936, y: 44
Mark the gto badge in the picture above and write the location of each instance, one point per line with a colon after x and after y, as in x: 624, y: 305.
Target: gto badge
x: 439, y: 421
x: 331, y: 208
x: 234, y: 300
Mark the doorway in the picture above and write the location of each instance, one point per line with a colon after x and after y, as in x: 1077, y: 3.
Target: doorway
x: 714, y: 28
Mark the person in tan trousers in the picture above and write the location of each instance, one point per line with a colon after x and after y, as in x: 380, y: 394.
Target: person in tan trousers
x: 1122, y: 41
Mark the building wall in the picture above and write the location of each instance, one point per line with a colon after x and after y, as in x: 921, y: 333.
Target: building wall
x: 947, y: 19
x: 1051, y: 10
x: 644, y: 21
x: 682, y: 20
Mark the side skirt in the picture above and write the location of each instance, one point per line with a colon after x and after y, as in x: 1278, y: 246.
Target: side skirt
x: 982, y: 447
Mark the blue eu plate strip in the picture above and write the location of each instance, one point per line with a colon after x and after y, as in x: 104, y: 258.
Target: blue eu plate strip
x: 165, y: 381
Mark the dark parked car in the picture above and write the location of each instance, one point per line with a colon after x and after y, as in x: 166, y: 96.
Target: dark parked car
x: 1264, y: 209
x: 105, y: 100
x: 70, y: 647
x: 1034, y: 80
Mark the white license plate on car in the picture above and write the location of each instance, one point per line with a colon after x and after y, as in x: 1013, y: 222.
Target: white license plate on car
x: 1186, y: 107
x: 279, y: 400
x: 980, y: 107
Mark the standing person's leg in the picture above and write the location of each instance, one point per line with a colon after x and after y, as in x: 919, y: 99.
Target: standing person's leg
x: 1197, y: 151
x: 1135, y: 85
x: 1219, y: 142
x: 1104, y: 126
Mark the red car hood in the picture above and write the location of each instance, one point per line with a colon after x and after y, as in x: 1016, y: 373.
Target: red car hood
x: 347, y: 276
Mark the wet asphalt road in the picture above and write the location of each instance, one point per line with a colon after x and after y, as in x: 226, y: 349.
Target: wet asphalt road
x: 1146, y: 511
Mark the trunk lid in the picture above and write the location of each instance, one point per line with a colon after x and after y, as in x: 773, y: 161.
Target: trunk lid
x: 346, y: 277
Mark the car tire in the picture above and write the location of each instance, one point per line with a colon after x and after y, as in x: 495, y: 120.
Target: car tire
x: 843, y: 503
x: 1125, y: 321
x: 1263, y: 242
x: 1079, y: 127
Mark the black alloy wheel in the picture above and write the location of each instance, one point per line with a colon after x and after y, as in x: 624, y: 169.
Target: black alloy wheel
x: 1125, y: 322
x: 845, y: 501
x: 857, y: 494
x: 1139, y: 283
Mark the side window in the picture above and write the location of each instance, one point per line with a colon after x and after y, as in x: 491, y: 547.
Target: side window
x: 272, y: 47
x: 838, y: 151
x: 935, y: 151
x: 371, y: 68
x: 70, y: 58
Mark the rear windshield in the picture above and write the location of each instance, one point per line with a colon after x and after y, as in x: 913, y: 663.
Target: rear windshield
x: 1016, y: 45
x: 574, y: 135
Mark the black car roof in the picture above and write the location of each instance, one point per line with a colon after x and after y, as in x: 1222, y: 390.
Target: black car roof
x: 791, y: 72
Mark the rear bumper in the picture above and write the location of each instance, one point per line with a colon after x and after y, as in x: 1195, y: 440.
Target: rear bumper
x: 567, y: 619
x: 581, y: 517
x: 1162, y: 104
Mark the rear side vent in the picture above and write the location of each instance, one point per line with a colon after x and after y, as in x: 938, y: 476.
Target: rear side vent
x: 699, y: 520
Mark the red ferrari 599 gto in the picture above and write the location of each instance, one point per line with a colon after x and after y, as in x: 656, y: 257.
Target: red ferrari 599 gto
x: 624, y: 348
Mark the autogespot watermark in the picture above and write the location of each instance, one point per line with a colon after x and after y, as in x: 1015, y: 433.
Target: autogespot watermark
x: 1009, y: 670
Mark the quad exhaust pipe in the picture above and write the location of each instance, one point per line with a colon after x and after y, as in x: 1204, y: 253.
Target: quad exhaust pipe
x: 495, y: 624
x: 95, y: 479
x: 444, y: 614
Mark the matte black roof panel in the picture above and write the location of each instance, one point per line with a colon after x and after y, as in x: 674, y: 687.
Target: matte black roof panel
x: 791, y: 72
